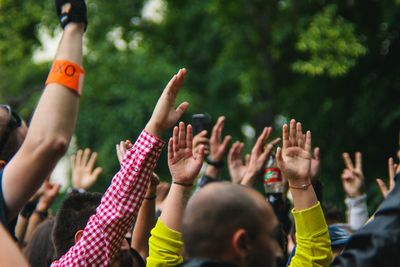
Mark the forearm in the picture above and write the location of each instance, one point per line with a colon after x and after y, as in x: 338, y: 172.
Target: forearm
x: 10, y: 255
x: 303, y: 197
x: 119, y: 205
x: 20, y: 229
x: 212, y: 171
x: 174, y: 206
x: 144, y: 223
x: 34, y: 221
x: 51, y: 128
x: 357, y: 211
x: 313, y: 243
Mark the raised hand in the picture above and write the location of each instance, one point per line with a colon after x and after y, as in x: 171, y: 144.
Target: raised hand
x: 352, y: 176
x: 165, y: 115
x: 393, y: 170
x: 201, y: 139
x: 315, y: 163
x: 121, y: 149
x: 183, y: 164
x: 237, y: 168
x: 259, y: 156
x: 83, y: 173
x: 217, y: 145
x: 294, y: 159
x: 50, y: 193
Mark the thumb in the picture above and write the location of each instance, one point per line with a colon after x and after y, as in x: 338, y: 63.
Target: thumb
x: 382, y: 187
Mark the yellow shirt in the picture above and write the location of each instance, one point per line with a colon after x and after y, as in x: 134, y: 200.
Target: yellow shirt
x: 313, y: 243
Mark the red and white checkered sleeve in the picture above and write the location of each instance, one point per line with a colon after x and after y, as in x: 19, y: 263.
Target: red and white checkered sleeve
x: 106, y: 229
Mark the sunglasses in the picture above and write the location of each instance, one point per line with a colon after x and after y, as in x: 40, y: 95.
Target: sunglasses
x: 14, y: 121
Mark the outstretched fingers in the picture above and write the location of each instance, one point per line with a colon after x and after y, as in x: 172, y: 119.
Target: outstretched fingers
x: 307, y: 146
x: 347, y: 161
x: 189, y: 137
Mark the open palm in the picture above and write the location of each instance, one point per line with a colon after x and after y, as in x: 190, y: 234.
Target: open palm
x: 183, y: 164
x: 294, y: 159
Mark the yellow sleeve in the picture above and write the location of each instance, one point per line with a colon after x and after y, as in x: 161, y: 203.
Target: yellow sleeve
x: 313, y: 243
x: 165, y: 247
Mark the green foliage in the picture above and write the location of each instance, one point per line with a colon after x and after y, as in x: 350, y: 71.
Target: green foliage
x: 332, y: 44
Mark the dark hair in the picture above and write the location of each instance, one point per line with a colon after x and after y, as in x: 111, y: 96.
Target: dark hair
x: 13, y: 142
x: 73, y: 216
x: 40, y: 249
x: 209, y: 223
x: 130, y: 258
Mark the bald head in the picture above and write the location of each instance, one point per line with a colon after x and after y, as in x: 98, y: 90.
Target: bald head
x: 216, y: 212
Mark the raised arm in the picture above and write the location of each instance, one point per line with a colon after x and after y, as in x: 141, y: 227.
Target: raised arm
x: 165, y: 242
x: 353, y: 185
x: 294, y: 160
x: 102, y: 237
x: 54, y: 119
x: 259, y: 156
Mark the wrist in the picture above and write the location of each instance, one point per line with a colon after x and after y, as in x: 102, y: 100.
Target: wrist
x: 182, y: 185
x: 74, y: 27
x: 42, y: 207
x: 153, y: 129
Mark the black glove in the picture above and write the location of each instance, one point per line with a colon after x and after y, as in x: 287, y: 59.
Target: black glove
x: 77, y: 12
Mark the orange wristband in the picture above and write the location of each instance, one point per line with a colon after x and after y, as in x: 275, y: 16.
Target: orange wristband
x: 67, y: 73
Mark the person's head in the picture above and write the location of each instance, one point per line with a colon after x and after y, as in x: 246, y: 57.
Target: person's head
x: 12, y: 133
x: 339, y: 236
x: 128, y: 258
x: 72, y: 218
x: 40, y: 249
x: 231, y: 223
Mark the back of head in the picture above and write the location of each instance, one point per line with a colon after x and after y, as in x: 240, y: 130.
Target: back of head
x: 213, y: 215
x: 40, y: 249
x: 73, y: 216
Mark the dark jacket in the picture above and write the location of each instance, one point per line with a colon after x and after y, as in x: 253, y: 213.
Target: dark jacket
x: 378, y: 242
x: 205, y: 263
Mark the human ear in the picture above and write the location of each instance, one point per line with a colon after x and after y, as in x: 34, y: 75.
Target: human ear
x: 240, y: 244
x: 78, y: 235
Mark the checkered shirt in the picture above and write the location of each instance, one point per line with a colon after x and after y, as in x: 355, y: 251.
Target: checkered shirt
x: 105, y: 230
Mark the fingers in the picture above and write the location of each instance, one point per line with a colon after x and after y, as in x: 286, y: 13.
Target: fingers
x: 78, y: 160
x: 85, y: 156
x: 233, y: 152
x: 73, y: 159
x: 261, y: 139
x: 175, y: 137
x: 247, y: 159
x: 317, y: 153
x: 199, y: 157
x: 182, y: 135
x: 292, y: 133
x: 181, y: 109
x: 226, y: 141
x: 92, y: 160
x: 217, y: 129
x: 382, y: 187
x: 307, y: 146
x: 171, y: 148
x: 270, y: 146
x: 358, y: 161
x: 278, y: 157
x: 347, y: 161
x: 285, y: 136
x: 299, y: 135
x: 189, y: 137
x: 175, y: 83
x: 97, y: 171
